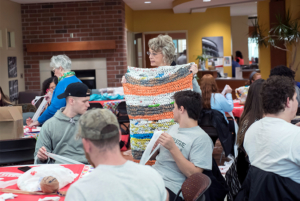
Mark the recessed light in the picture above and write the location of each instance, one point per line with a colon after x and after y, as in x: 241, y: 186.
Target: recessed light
x: 206, y: 0
x: 147, y: 2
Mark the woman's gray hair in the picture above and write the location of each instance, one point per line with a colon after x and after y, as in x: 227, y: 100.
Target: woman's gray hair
x: 61, y: 61
x: 164, y: 44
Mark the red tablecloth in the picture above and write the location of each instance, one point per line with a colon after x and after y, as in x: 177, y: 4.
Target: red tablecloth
x: 77, y: 169
x: 237, y: 109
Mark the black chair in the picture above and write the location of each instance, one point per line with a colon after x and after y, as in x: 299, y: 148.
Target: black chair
x: 16, y: 151
x: 124, y: 122
x: 95, y: 105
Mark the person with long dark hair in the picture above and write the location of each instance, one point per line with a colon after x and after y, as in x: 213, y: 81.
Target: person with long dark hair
x: 49, y: 85
x: 239, y: 57
x: 4, y: 100
x: 253, y: 111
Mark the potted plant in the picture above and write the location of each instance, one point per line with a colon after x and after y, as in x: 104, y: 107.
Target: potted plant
x: 202, y: 60
x: 286, y: 32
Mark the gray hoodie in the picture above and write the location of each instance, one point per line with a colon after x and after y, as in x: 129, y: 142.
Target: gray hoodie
x: 58, y: 137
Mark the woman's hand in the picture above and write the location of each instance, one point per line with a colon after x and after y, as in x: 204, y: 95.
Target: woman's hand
x: 194, y: 69
x: 123, y: 80
x: 29, y: 121
x: 228, y: 90
x: 34, y: 124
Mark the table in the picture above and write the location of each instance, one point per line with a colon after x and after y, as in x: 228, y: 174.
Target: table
x: 109, y: 104
x: 77, y: 169
x: 232, y: 82
x: 237, y: 109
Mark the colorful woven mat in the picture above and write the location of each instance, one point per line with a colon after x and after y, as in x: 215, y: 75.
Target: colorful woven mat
x: 148, y: 95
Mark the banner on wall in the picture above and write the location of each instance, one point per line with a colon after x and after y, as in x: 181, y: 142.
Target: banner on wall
x: 12, y: 67
x: 13, y: 90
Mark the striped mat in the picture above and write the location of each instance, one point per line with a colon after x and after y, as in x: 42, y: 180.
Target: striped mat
x: 148, y: 95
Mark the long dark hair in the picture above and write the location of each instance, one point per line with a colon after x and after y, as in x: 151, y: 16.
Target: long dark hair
x: 47, y: 82
x: 238, y: 54
x: 4, y: 101
x: 253, y: 110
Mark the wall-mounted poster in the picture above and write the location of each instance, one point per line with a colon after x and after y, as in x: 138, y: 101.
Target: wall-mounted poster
x: 227, y: 61
x: 213, y: 46
x: 12, y: 67
x: 13, y: 90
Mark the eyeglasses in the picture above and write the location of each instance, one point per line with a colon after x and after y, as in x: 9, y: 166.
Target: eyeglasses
x: 153, y: 54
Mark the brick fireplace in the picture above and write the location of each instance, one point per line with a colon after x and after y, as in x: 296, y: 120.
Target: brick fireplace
x: 88, y: 21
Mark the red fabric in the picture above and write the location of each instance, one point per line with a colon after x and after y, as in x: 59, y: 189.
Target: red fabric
x: 104, y: 101
x: 77, y: 169
x: 237, y: 109
x: 125, y: 139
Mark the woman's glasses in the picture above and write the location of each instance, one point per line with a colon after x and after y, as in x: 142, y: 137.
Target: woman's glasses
x: 153, y: 54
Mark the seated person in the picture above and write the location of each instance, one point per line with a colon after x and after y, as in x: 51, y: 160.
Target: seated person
x: 4, y: 100
x: 185, y: 148
x: 211, y: 99
x: 253, y: 76
x: 272, y: 143
x: 58, y: 134
x: 285, y: 71
x: 114, y: 178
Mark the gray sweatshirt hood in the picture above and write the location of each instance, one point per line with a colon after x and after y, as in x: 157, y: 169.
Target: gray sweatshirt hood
x: 62, y: 117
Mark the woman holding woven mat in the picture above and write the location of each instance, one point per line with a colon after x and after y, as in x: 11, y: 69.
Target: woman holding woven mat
x: 61, y: 65
x: 162, y: 53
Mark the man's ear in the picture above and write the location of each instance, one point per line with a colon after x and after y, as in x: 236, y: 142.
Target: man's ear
x: 181, y: 109
x: 86, y: 145
x: 120, y: 135
x: 288, y: 102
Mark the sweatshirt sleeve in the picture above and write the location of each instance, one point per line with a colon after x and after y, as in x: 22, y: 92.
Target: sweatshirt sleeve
x: 55, y: 105
x: 44, y: 139
x: 196, y: 87
x: 226, y: 103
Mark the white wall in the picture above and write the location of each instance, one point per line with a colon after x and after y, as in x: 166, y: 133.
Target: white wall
x: 239, y: 36
x: 10, y: 19
x: 97, y: 64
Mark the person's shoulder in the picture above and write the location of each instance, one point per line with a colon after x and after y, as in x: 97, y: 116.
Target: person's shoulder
x: 144, y: 170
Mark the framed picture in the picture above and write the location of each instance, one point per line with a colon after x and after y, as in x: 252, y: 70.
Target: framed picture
x: 13, y: 90
x: 213, y: 46
x: 227, y: 61
x: 12, y: 67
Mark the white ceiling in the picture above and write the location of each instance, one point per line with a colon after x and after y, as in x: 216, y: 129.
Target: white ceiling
x: 237, y: 7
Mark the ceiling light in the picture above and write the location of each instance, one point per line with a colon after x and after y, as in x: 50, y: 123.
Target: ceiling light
x: 206, y: 0
x: 147, y: 2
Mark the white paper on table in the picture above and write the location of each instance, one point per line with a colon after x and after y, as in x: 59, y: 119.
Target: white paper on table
x: 49, y: 199
x: 4, y: 184
x: 236, y: 128
x: 147, y: 153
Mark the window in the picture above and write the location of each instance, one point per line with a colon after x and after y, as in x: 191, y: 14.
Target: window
x: 252, y: 49
x: 10, y: 39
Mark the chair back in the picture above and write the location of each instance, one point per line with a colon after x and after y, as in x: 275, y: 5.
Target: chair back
x: 194, y: 187
x: 16, y: 151
x: 124, y: 123
x: 205, y: 124
x: 95, y: 105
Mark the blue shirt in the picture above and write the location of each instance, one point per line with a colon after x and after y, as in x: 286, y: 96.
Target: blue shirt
x: 222, y: 104
x: 234, y: 64
x: 56, y: 103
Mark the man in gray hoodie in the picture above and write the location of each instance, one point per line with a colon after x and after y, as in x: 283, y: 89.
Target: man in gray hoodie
x: 58, y: 133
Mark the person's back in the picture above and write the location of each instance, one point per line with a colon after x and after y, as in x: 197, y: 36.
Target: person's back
x: 114, y: 178
x: 181, y: 60
x: 272, y: 143
x: 129, y: 181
